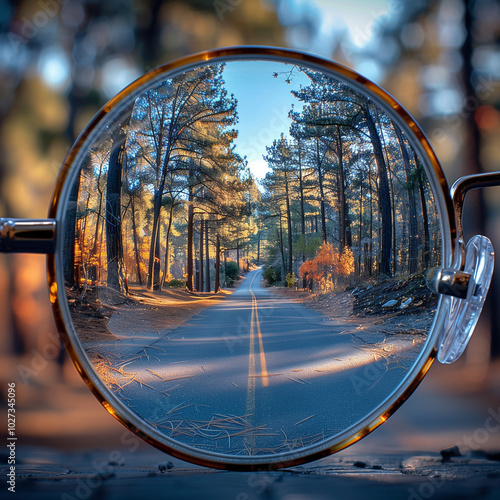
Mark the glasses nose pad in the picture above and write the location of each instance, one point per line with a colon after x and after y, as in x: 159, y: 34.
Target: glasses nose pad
x: 464, y: 311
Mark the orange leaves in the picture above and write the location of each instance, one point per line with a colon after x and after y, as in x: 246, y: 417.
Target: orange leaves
x: 327, y: 267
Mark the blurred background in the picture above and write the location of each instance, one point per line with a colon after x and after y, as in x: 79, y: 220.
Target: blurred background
x: 61, y: 60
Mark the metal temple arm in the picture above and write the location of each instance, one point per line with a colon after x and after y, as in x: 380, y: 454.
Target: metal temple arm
x: 455, y: 281
x: 27, y: 235
x: 461, y: 187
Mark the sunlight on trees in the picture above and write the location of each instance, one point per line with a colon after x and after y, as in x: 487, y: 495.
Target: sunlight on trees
x: 165, y: 196
x: 329, y: 268
x: 345, y: 177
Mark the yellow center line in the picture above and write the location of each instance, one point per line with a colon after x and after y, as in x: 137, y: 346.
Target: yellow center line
x: 263, y: 365
x: 255, y: 322
x: 252, y: 375
x: 251, y: 370
x: 250, y: 407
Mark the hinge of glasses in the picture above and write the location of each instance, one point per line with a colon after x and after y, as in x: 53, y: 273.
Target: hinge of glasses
x: 455, y: 281
x: 27, y: 235
x: 449, y: 282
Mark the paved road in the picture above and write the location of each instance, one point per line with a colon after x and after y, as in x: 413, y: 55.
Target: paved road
x: 257, y: 373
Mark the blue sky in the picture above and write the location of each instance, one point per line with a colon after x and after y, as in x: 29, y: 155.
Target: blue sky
x: 263, y: 106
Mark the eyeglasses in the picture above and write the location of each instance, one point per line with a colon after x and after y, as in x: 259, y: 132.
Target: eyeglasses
x: 203, y: 186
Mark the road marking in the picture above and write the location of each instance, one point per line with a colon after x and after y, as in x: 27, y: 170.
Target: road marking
x: 263, y: 365
x: 252, y: 375
x: 255, y: 317
x: 250, y: 408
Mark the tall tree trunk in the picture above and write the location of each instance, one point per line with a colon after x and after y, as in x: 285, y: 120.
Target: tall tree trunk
x: 370, y: 247
x: 384, y: 196
x: 207, y: 257
x: 154, y: 237
x: 258, y: 246
x: 166, y: 267
x: 425, y: 217
x: 189, y: 252
x: 157, y: 262
x: 225, y: 268
x: 70, y: 234
x: 289, y: 227
x: 93, y: 272
x: 321, y: 194
x: 302, y: 213
x: 341, y: 190
x: 217, y: 264
x: 282, y: 251
x: 114, y: 238
x: 412, y: 205
x: 136, y: 241
x: 238, y: 253
x: 391, y: 191
x: 201, y: 287
x: 360, y: 237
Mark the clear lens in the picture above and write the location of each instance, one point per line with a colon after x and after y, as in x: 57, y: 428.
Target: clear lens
x: 245, y: 248
x: 464, y: 313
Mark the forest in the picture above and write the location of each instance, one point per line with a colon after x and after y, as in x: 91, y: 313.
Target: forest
x: 166, y: 199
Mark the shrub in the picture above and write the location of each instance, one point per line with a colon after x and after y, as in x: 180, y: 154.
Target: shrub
x: 272, y: 274
x: 328, y: 268
x: 291, y: 280
x: 175, y: 283
x: 231, y: 271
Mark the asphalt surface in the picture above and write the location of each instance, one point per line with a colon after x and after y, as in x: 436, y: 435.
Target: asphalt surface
x: 255, y: 374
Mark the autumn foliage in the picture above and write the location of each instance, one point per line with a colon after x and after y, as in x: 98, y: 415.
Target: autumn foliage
x: 329, y: 268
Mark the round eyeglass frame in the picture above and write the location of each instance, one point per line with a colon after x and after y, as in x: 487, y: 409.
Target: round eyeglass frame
x: 69, y: 335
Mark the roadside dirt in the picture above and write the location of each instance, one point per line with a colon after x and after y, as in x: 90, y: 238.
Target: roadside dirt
x: 342, y: 306
x: 166, y: 309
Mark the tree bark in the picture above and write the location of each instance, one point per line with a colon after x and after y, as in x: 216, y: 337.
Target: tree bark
x: 154, y: 238
x: 207, y: 257
x: 280, y: 243
x: 321, y: 194
x: 189, y: 252
x: 114, y: 239
x: 412, y: 206
x: 69, y: 234
x: 341, y: 190
x: 425, y: 217
x: 289, y: 227
x: 166, y: 267
x: 217, y: 264
x: 258, y: 246
x: 238, y: 253
x: 384, y: 196
x: 201, y: 287
x: 157, y: 265
x: 136, y: 242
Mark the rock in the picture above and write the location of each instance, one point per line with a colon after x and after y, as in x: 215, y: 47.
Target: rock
x: 389, y: 303
x: 165, y: 467
x: 406, y: 303
x: 373, y: 299
x: 359, y: 464
x: 448, y: 453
